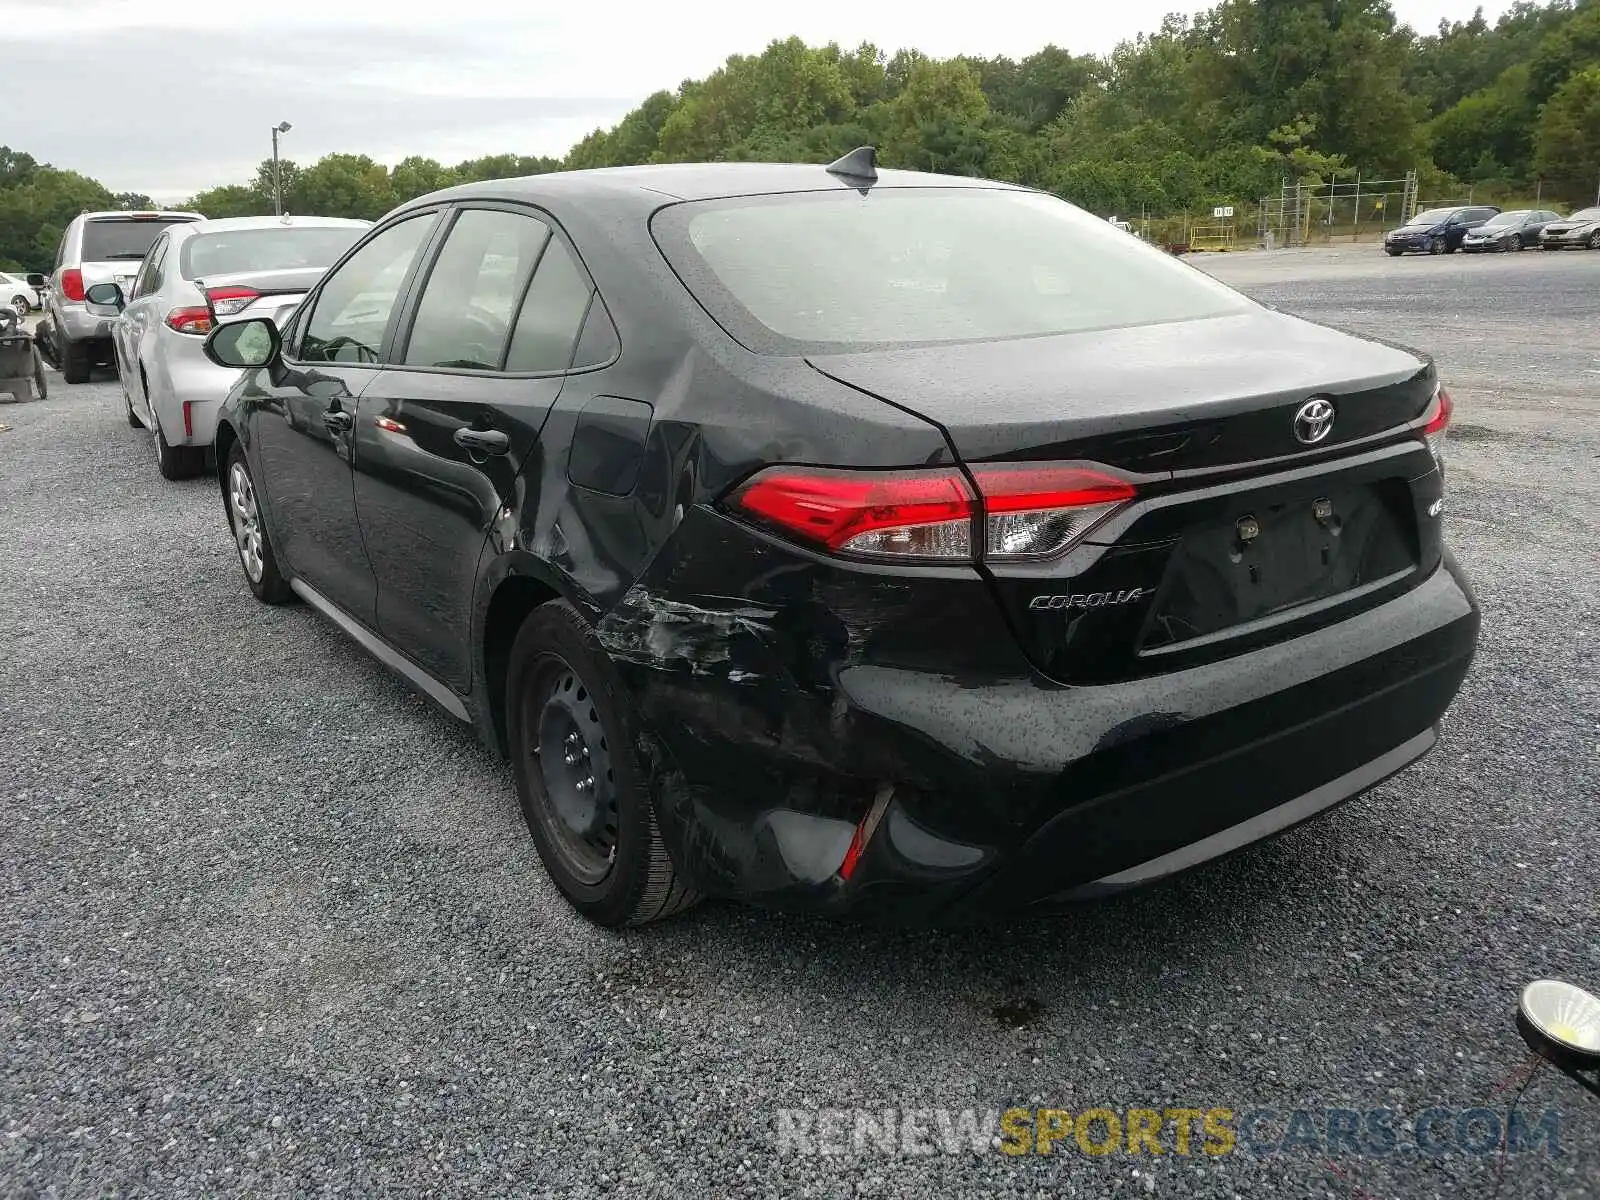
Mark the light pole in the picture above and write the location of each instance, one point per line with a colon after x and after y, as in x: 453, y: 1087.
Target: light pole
x: 277, y: 175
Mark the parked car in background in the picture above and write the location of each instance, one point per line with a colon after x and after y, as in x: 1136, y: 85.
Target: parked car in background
x: 196, y: 275
x: 1580, y: 231
x: 878, y: 542
x: 1516, y: 230
x: 16, y: 293
x: 1437, y: 230
x: 97, y: 247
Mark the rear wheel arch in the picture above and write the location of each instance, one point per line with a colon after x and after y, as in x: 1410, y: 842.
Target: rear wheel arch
x: 512, y: 602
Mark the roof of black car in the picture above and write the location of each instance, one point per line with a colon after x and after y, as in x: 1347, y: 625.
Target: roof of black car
x: 690, y: 181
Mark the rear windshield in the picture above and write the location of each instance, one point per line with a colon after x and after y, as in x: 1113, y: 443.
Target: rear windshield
x: 837, y: 270
x: 277, y: 248
x: 110, y: 239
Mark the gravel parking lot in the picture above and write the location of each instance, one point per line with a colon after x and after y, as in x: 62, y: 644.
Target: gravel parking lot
x: 273, y: 926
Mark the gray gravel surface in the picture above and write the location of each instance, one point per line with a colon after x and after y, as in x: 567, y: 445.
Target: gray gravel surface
x: 271, y: 926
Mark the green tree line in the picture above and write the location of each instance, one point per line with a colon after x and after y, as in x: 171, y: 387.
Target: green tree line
x: 1216, y: 108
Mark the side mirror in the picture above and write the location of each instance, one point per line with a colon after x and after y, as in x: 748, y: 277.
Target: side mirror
x: 244, y: 344
x: 36, y: 280
x: 107, y: 295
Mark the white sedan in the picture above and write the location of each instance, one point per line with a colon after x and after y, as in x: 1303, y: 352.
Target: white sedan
x: 15, y: 293
x: 198, y: 274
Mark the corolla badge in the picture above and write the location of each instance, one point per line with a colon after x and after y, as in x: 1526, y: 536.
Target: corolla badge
x: 1090, y: 599
x: 1314, y: 421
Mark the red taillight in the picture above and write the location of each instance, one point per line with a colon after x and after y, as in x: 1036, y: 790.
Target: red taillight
x: 897, y: 514
x: 190, y: 320
x: 1028, y: 510
x: 1436, y: 422
x: 72, y: 284
x: 228, y: 301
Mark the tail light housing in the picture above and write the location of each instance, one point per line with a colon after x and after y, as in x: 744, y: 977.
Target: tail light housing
x: 194, y: 320
x: 1018, y: 512
x: 908, y: 515
x: 1436, y: 423
x: 72, y: 285
x: 1036, y: 511
x: 230, y: 301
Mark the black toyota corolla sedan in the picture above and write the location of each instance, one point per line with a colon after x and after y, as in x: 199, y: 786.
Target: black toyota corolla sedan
x: 854, y: 541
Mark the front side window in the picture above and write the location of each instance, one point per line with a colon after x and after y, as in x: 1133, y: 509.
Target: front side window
x: 828, y: 271
x: 353, y: 308
x: 149, y: 277
x: 464, y: 317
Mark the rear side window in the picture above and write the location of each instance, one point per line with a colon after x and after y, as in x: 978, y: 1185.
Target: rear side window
x: 826, y: 271
x: 121, y: 239
x: 552, y: 314
x: 279, y: 248
x: 464, y: 316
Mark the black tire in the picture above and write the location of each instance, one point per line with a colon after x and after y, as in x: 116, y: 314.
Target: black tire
x: 1594, y: 240
x: 178, y: 462
x: 1394, y: 253
x: 21, y: 306
x: 1516, y: 243
x: 271, y: 587
x: 1436, y: 246
x: 564, y: 697
x: 76, y: 361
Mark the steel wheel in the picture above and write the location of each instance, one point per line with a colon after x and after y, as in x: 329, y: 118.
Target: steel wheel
x: 20, y: 303
x: 1436, y: 246
x: 246, y: 521
x: 1594, y: 240
x: 573, y: 759
x: 1516, y: 242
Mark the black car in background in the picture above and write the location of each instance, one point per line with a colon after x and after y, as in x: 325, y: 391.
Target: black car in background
x: 1580, y: 231
x: 1516, y: 230
x: 891, y: 544
x: 1437, y: 230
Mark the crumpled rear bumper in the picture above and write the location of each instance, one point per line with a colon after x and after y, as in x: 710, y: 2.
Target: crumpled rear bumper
x: 778, y: 732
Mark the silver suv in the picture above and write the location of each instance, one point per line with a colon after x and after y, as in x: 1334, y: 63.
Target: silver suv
x: 97, y: 247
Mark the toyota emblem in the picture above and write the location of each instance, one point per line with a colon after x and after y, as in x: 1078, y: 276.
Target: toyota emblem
x: 1314, y: 421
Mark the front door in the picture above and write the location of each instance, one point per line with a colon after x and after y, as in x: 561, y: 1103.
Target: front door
x: 446, y: 429
x: 303, y: 419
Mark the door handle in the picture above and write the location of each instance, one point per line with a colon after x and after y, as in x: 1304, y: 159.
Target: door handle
x: 338, y: 421
x: 482, y: 441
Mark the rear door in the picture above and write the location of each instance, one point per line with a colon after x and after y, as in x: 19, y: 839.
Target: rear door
x: 443, y: 433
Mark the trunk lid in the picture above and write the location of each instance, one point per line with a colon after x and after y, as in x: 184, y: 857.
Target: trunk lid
x: 1182, y: 396
x: 281, y: 291
x: 1241, y: 534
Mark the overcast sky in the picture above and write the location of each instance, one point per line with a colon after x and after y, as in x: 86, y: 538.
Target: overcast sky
x: 170, y: 99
